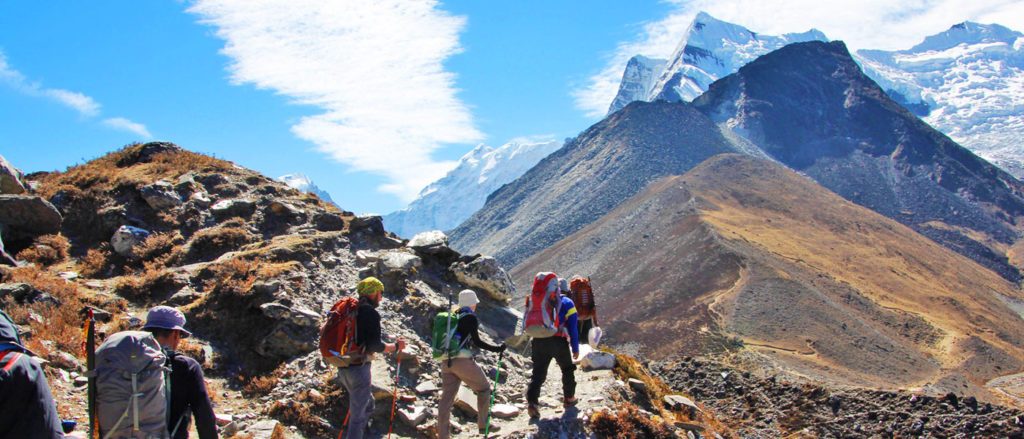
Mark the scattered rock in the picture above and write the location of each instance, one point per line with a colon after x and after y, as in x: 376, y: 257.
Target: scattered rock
x: 160, y: 195
x: 465, y: 400
x: 223, y: 419
x: 597, y: 360
x: 413, y: 416
x: 146, y: 153
x: 10, y: 178
x: 294, y: 334
x: 398, y: 263
x: 184, y: 296
x: 637, y: 385
x: 372, y: 225
x: 201, y: 199
x: 64, y: 360
x: 233, y: 207
x: 427, y: 387
x: 68, y: 275
x: 504, y: 411
x: 682, y: 403
x: 266, y: 429
x: 432, y: 242
x: 483, y: 272
x: 281, y: 208
x: 126, y: 238
x: 29, y: 214
x: 328, y: 222
x: 23, y: 293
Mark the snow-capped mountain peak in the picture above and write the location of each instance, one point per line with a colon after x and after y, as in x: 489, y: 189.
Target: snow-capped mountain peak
x: 969, y: 82
x: 445, y: 203
x: 303, y: 183
x: 711, y: 49
x: 637, y: 81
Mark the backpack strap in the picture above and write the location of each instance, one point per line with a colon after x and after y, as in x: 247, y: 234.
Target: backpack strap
x: 15, y: 355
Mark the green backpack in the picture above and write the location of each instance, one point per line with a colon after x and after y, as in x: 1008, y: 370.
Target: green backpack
x: 444, y: 341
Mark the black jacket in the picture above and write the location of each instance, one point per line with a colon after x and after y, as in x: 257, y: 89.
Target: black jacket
x: 469, y: 326
x: 26, y: 404
x: 368, y: 334
x: 189, y: 398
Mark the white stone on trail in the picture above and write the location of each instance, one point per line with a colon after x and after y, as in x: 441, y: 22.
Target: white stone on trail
x: 427, y: 387
x: 504, y: 411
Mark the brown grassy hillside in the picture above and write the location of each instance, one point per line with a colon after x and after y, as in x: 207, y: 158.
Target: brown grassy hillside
x: 743, y: 250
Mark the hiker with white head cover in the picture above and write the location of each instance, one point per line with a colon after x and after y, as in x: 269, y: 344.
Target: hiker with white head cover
x: 458, y: 364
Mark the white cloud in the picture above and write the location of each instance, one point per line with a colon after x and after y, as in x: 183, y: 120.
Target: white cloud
x: 375, y: 69
x: 123, y: 124
x: 862, y: 24
x: 84, y: 105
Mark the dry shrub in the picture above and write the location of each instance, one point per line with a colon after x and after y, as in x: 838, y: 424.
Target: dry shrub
x: 208, y: 244
x: 313, y: 414
x: 153, y: 281
x: 254, y: 387
x: 61, y: 325
x: 158, y: 247
x: 628, y: 422
x: 236, y: 276
x: 96, y: 263
x: 46, y: 250
x: 627, y: 367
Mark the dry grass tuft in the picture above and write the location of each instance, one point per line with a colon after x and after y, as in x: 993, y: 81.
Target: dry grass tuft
x: 627, y: 422
x: 208, y: 244
x: 158, y: 244
x: 46, y: 250
x: 96, y: 262
x: 151, y: 282
x: 236, y: 276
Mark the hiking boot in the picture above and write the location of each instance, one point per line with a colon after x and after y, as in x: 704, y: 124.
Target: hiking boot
x: 533, y: 411
x: 571, y: 401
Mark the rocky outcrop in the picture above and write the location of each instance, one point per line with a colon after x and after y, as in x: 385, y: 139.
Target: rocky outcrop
x: 485, y: 273
x: 27, y: 213
x: 10, y: 178
x: 160, y: 195
x: 294, y: 332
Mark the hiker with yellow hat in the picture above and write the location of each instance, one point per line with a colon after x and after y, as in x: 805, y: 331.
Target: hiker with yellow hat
x: 355, y: 376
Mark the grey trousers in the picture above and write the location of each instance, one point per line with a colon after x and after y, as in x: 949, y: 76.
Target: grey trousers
x: 356, y: 380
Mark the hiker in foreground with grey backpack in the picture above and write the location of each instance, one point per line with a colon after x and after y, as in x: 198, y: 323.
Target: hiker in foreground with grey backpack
x: 144, y: 389
x: 452, y: 333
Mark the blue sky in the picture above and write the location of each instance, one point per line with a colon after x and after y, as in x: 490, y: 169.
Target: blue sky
x: 372, y: 100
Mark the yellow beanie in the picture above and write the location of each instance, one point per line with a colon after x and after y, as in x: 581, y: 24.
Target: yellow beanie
x: 369, y: 286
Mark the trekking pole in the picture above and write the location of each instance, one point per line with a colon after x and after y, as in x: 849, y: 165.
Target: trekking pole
x: 90, y: 366
x: 394, y: 399
x: 344, y: 424
x: 497, y: 374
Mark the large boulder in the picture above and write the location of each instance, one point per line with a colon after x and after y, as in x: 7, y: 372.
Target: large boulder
x: 160, y: 195
x: 294, y: 333
x: 395, y: 268
x: 428, y: 242
x: 126, y: 238
x: 145, y: 153
x: 483, y: 272
x: 10, y: 178
x: 233, y: 207
x: 30, y: 214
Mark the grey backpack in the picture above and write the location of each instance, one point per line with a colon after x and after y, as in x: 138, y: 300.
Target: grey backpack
x: 132, y: 388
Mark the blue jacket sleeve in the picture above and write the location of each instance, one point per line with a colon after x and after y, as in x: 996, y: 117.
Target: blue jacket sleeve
x: 571, y: 320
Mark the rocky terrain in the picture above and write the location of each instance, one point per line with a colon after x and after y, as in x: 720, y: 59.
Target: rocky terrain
x: 765, y: 405
x: 255, y: 264
x: 742, y: 254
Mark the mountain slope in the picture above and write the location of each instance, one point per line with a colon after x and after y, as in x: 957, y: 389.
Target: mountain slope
x: 712, y: 49
x: 447, y: 202
x: 742, y: 247
x: 967, y: 82
x: 608, y: 163
x: 809, y: 106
